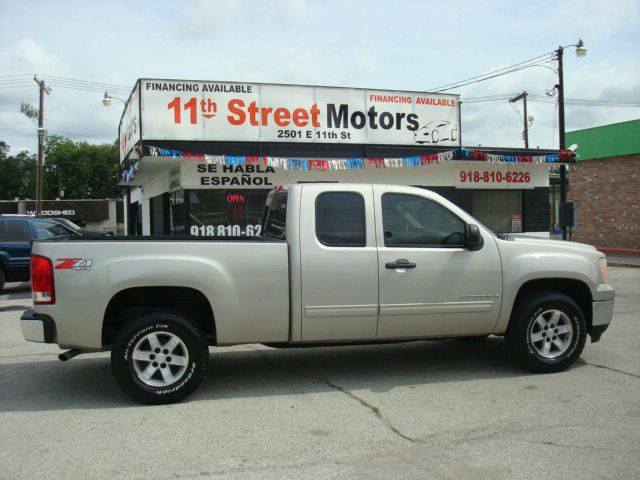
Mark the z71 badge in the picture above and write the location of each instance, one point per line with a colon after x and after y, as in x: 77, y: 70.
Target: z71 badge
x: 77, y: 264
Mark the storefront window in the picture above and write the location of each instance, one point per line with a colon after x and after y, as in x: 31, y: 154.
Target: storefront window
x: 176, y: 218
x: 220, y: 213
x: 498, y: 209
x: 158, y: 208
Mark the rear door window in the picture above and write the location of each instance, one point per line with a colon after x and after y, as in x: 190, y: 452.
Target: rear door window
x: 340, y: 219
x: 18, y: 231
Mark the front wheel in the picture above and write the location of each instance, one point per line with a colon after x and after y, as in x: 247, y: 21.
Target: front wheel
x: 547, y: 332
x: 161, y: 357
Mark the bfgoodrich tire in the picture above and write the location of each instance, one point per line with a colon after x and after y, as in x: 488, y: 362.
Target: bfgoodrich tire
x: 547, y: 332
x: 160, y: 357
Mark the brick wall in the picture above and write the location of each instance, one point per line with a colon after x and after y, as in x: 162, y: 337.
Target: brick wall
x: 607, y: 195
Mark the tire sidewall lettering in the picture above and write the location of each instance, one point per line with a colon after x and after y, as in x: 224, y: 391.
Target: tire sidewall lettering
x: 135, y: 338
x: 185, y: 379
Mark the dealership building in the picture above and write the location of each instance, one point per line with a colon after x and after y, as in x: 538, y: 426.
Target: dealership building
x: 199, y: 157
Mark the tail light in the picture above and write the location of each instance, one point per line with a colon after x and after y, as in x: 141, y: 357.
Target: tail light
x: 43, y: 289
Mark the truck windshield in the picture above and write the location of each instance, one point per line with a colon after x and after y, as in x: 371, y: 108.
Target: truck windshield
x: 275, y: 216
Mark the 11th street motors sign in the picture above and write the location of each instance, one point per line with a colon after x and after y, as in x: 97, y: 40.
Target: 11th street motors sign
x: 244, y: 112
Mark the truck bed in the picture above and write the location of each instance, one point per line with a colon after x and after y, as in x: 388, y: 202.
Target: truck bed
x: 245, y: 280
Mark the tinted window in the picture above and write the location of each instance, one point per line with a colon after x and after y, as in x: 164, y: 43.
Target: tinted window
x: 410, y: 221
x: 275, y: 216
x: 340, y: 219
x: 3, y: 231
x: 18, y: 231
x: 49, y: 230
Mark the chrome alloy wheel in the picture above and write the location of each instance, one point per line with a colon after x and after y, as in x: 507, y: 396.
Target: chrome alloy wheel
x: 160, y: 359
x: 551, y: 334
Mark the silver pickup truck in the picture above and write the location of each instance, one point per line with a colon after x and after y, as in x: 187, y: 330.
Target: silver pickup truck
x: 337, y: 263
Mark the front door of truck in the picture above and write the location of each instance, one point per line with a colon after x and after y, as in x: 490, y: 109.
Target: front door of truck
x: 430, y: 284
x: 339, y: 264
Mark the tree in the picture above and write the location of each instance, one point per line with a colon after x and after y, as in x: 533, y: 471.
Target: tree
x: 80, y: 169
x: 17, y: 174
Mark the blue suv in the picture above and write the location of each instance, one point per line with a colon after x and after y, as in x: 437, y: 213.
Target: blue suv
x: 17, y: 233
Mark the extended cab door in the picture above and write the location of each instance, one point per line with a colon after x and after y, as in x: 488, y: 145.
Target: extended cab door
x: 338, y: 263
x: 430, y: 283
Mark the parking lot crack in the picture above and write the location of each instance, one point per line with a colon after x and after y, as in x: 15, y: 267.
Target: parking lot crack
x: 604, y: 367
x: 372, y: 408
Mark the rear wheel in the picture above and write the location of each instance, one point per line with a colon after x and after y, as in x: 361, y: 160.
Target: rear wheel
x: 161, y: 357
x: 2, y: 280
x: 547, y: 332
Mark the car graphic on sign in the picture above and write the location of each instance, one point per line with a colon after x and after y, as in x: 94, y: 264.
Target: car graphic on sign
x: 436, y: 131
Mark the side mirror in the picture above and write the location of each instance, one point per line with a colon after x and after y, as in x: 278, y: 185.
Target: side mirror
x: 474, y: 239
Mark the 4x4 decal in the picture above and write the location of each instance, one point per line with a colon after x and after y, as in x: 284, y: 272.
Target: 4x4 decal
x: 77, y: 264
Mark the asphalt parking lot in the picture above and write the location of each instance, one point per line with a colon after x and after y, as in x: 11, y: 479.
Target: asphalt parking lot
x: 419, y: 410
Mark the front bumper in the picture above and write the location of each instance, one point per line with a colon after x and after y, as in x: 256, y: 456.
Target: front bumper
x: 602, y: 315
x: 37, y: 327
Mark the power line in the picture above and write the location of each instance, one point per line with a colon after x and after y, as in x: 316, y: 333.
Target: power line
x: 17, y: 75
x: 594, y: 102
x: 85, y: 89
x: 23, y: 80
x: 495, y: 73
x: 489, y: 98
x: 16, y: 85
x: 75, y: 80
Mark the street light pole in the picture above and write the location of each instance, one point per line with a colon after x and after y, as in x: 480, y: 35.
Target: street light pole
x: 581, y: 51
x: 561, y: 142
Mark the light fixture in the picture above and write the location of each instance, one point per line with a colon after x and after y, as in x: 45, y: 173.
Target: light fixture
x: 106, y: 101
x: 581, y: 50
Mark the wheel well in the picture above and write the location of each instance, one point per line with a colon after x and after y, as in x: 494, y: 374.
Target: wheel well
x: 133, y: 302
x: 575, y: 289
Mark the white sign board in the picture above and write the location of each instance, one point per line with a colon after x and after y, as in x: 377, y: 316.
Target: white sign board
x: 200, y: 175
x: 244, y: 112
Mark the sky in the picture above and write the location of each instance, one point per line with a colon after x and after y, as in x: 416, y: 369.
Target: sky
x: 395, y: 45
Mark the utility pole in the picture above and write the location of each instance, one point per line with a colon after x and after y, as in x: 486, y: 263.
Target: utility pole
x: 39, y: 169
x: 523, y: 97
x: 561, y: 142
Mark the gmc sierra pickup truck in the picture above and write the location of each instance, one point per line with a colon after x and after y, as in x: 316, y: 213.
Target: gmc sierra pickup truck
x: 336, y: 263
